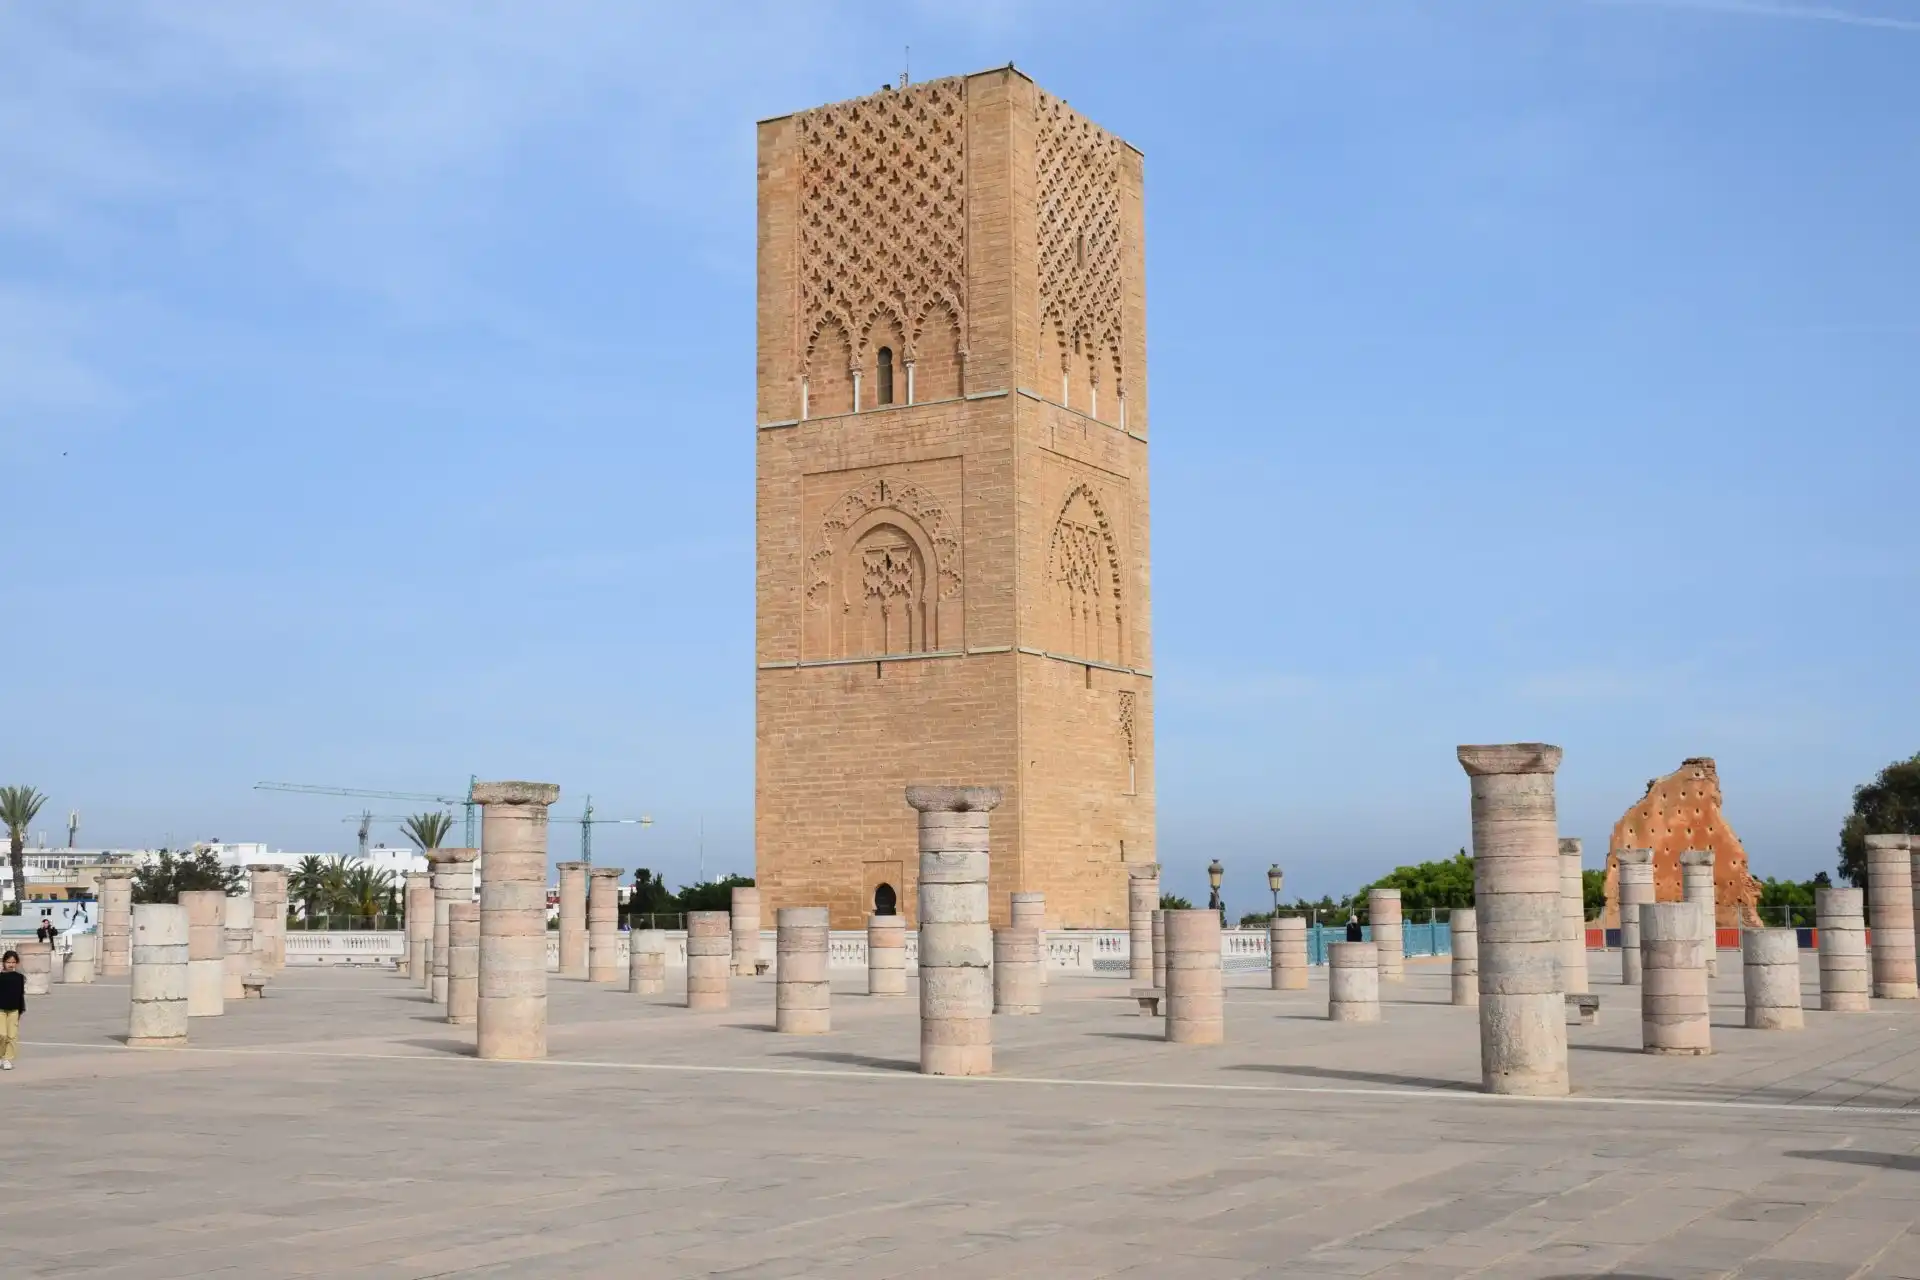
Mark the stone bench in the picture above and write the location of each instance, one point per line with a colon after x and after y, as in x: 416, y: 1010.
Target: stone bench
x: 254, y: 988
x: 1583, y: 1009
x: 1149, y: 998
x: 760, y: 968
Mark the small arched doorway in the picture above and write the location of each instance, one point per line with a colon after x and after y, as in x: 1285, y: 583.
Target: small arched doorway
x: 885, y: 901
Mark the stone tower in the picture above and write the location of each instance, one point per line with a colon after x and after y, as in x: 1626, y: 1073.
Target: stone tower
x: 952, y: 578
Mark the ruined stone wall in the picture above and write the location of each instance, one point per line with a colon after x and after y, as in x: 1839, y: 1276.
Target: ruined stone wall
x: 1679, y: 812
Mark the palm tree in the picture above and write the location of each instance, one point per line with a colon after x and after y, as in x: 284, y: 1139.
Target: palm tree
x: 333, y: 879
x: 19, y: 806
x: 367, y: 889
x: 308, y: 884
x: 427, y: 830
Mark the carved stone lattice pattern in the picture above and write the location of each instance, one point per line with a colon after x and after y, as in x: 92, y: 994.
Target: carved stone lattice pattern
x: 1126, y: 722
x: 1077, y: 179
x: 883, y: 190
x: 1083, y: 568
x: 909, y: 500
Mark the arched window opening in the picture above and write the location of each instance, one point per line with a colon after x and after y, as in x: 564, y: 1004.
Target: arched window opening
x: 885, y: 901
x: 883, y: 385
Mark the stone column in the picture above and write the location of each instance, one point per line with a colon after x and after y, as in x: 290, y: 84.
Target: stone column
x: 886, y: 955
x: 1158, y: 934
x: 1287, y: 953
x: 744, y: 921
x: 1516, y: 890
x: 451, y: 874
x: 206, y: 952
x: 419, y: 905
x: 1383, y: 910
x: 802, y: 996
x: 1573, y: 912
x: 269, y: 916
x: 603, y: 924
x: 1195, y: 1001
x: 236, y: 939
x: 463, y: 963
x: 1673, y: 996
x: 1770, y: 973
x: 116, y: 922
x: 1143, y: 899
x: 1890, y: 901
x: 511, y: 1009
x: 646, y: 962
x: 573, y: 919
x: 36, y: 966
x: 157, y: 1017
x: 709, y: 959
x: 1465, y: 928
x: 1353, y: 981
x: 83, y: 959
x: 1029, y: 911
x: 1846, y: 980
x: 1635, y: 881
x: 956, y: 942
x: 1016, y: 970
x: 1696, y: 886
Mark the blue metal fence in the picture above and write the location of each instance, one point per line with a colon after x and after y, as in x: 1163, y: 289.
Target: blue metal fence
x: 1426, y: 938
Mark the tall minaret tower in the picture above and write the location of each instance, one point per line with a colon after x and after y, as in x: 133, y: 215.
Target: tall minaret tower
x: 952, y: 577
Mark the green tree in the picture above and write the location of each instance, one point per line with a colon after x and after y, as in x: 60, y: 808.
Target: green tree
x: 1787, y: 902
x: 170, y: 874
x: 1427, y: 886
x: 650, y: 896
x: 307, y: 884
x: 19, y: 806
x: 367, y: 890
x: 1889, y: 805
x: 1174, y: 902
x: 1593, y: 893
x: 427, y: 830
x: 716, y: 895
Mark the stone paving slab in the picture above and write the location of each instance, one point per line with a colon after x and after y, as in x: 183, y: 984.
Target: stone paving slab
x: 340, y: 1128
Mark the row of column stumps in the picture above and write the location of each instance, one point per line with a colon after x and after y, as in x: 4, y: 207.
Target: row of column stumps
x: 451, y: 877
x: 956, y: 940
x: 1636, y: 890
x: 1517, y: 891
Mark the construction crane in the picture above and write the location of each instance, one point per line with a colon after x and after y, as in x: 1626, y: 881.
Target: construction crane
x: 307, y: 789
x: 586, y: 821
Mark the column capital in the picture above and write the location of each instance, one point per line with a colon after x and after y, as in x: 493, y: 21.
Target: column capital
x: 540, y: 793
x: 930, y: 799
x: 1889, y: 842
x: 1634, y: 857
x: 443, y: 856
x: 119, y: 873
x: 571, y: 866
x: 1696, y: 857
x: 1571, y: 846
x: 1509, y: 757
x: 606, y: 873
x: 1143, y: 870
x: 259, y: 866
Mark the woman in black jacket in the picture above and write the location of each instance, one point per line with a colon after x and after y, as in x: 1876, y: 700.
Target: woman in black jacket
x: 13, y: 1003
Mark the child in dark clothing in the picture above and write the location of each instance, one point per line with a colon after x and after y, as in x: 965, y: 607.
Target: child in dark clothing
x: 13, y: 1003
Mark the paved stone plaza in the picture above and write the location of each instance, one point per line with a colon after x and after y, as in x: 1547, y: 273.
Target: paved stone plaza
x: 341, y: 1128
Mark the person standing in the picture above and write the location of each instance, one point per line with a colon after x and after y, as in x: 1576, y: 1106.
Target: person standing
x: 1353, y: 928
x: 47, y: 933
x: 13, y: 1003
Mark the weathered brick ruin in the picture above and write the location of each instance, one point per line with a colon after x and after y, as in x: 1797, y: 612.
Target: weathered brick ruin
x: 1679, y: 812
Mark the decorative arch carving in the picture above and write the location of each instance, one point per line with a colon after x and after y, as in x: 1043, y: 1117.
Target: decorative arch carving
x: 1084, y: 581
x: 882, y: 222
x: 885, y: 568
x: 1077, y: 182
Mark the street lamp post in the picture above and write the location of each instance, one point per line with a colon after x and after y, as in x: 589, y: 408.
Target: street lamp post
x: 1215, y: 874
x: 1275, y: 877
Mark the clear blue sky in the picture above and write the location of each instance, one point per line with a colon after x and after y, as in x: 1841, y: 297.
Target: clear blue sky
x: 376, y: 403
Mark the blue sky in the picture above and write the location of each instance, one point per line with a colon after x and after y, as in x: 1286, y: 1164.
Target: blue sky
x: 376, y: 403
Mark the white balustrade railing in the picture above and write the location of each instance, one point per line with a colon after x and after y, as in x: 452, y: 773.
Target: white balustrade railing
x: 371, y: 946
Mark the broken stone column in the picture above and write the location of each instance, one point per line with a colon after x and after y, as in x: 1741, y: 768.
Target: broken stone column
x: 1573, y: 912
x: 1890, y: 901
x: 236, y: 939
x: 1016, y: 970
x: 269, y: 916
x: 1696, y: 886
x: 206, y: 952
x: 452, y: 878
x: 956, y: 941
x: 1029, y: 911
x: 83, y: 957
x: 463, y: 963
x: 573, y: 919
x: 1465, y: 928
x: 157, y: 1017
x: 1353, y: 982
x: 1195, y: 1000
x: 802, y: 996
x: 1636, y: 890
x: 1770, y: 972
x: 603, y: 924
x: 419, y: 906
x: 646, y: 962
x: 1846, y: 977
x: 1158, y: 935
x: 1287, y: 953
x: 36, y: 965
x: 709, y: 959
x: 1383, y: 910
x: 886, y: 955
x: 116, y: 922
x: 744, y: 921
x: 510, y: 1015
x: 1674, y: 1009
x: 1143, y: 899
x: 1516, y: 890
